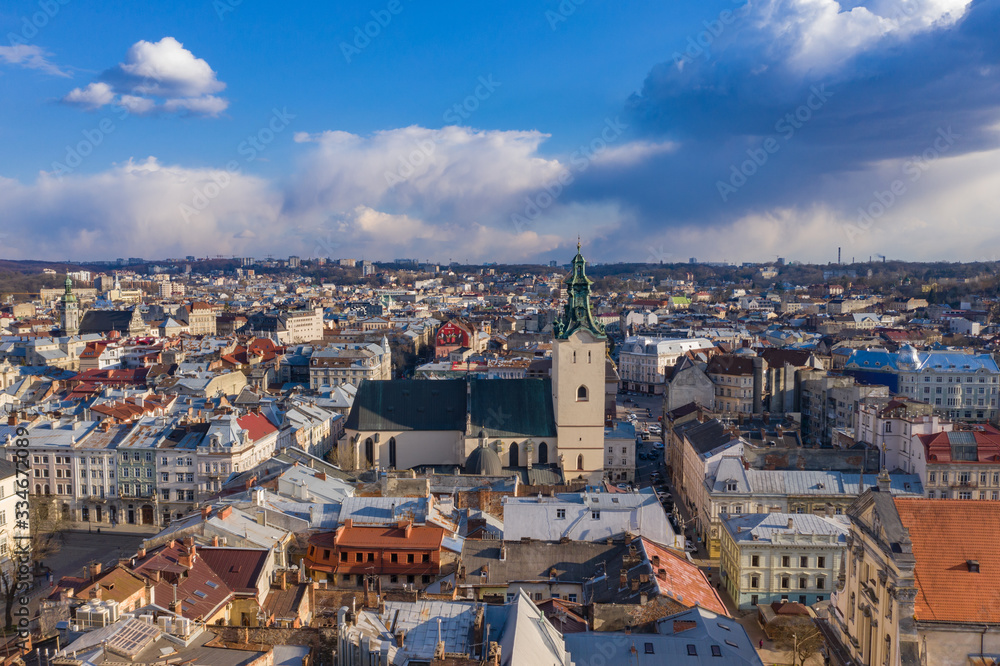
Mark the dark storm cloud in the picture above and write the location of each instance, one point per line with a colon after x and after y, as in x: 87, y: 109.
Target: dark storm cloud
x: 819, y: 125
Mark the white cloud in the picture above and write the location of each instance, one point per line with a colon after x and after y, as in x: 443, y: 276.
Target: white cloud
x: 157, y: 76
x: 94, y: 96
x: 137, y: 105
x: 630, y: 154
x: 209, y: 105
x: 167, y: 69
x: 823, y: 34
x: 30, y: 56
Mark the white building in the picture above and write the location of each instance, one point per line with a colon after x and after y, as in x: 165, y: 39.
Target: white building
x: 643, y: 360
x: 768, y: 557
x: 591, y: 515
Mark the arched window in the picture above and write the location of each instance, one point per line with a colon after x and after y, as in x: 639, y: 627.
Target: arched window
x: 392, y: 452
x: 579, y: 461
x: 369, y: 452
x: 581, y: 394
x: 543, y: 453
x: 513, y: 454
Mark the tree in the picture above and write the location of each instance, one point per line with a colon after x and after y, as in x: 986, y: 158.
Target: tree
x: 46, y: 524
x: 800, y: 637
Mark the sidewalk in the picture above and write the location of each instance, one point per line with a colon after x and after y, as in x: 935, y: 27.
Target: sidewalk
x: 119, y: 528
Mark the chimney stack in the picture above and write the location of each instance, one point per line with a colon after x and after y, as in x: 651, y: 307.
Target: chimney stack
x: 791, y: 523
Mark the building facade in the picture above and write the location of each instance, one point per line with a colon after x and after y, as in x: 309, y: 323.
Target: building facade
x: 768, y: 557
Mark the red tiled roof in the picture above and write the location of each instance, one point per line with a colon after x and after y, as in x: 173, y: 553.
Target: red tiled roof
x: 937, y: 447
x: 946, y: 535
x: 240, y: 568
x: 114, y: 376
x: 421, y: 537
x: 681, y: 580
x: 199, y: 589
x: 257, y: 425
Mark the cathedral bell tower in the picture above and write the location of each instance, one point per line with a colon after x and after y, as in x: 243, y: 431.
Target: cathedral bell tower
x: 69, y: 310
x: 579, y: 348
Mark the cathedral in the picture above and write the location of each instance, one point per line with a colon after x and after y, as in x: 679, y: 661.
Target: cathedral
x: 485, y: 425
x: 73, y: 321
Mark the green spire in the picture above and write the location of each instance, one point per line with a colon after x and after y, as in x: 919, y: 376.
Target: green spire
x: 577, y: 314
x: 68, y: 297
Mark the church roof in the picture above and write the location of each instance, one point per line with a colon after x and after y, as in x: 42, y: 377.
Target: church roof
x: 104, y: 321
x: 495, y: 407
x: 409, y: 404
x: 512, y: 408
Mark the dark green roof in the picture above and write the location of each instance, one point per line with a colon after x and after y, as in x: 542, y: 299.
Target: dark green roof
x: 499, y: 407
x: 512, y: 408
x: 409, y: 404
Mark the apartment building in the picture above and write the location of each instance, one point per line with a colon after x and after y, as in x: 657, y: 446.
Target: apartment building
x: 643, y: 360
x: 916, y: 587
x: 739, y: 383
x: 339, y: 364
x: 735, y: 490
x: 768, y: 557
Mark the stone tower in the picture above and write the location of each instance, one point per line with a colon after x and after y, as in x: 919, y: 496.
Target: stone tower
x: 70, y: 310
x: 579, y: 348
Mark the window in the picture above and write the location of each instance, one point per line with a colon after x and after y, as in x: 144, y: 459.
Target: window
x: 595, y: 515
x: 755, y: 560
x: 394, y: 557
x: 754, y: 582
x: 803, y: 583
x: 820, y: 562
x: 754, y: 599
x: 426, y: 557
x: 785, y: 561
x: 409, y: 558
x: 582, y: 394
x: 572, y: 597
x: 3, y: 517
x: 803, y: 562
x: 716, y: 651
x: 785, y: 582
x: 965, y: 494
x: 359, y: 557
x: 649, y: 648
x: 560, y: 513
x: 820, y: 583
x: 164, y: 477
x: 692, y: 650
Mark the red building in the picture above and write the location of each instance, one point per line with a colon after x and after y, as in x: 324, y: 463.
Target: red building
x: 398, y: 555
x: 454, y: 335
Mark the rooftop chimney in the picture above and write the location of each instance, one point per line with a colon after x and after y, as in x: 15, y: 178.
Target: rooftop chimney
x: 791, y: 523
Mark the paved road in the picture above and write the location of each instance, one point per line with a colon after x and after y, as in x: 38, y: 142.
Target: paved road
x: 81, y: 548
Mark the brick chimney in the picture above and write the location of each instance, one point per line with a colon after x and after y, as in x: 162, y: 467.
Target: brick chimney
x: 225, y: 512
x: 215, y: 541
x: 141, y: 553
x: 206, y: 511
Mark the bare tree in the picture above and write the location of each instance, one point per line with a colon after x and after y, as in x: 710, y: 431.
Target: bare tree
x: 802, y: 638
x: 44, y: 525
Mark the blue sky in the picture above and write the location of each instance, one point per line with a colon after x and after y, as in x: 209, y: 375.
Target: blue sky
x: 629, y: 123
